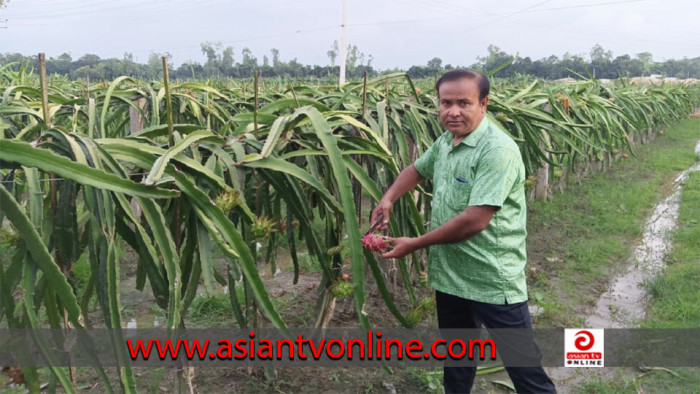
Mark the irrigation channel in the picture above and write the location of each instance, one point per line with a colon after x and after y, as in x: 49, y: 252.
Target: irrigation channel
x: 623, y: 304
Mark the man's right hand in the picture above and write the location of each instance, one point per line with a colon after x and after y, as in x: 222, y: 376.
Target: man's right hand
x: 407, y: 180
x: 380, y: 216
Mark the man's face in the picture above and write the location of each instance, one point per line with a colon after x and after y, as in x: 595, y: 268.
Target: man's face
x: 460, y: 108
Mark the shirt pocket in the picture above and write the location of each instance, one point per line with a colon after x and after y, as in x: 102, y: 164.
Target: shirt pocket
x: 459, y: 192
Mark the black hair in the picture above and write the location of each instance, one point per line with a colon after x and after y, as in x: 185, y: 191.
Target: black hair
x: 454, y: 75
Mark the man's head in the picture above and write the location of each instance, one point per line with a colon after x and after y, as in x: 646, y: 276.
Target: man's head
x: 463, y: 99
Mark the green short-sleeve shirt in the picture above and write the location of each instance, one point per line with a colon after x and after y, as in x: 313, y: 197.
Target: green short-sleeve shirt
x: 485, y: 168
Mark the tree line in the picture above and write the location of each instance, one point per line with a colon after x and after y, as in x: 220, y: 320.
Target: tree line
x: 599, y: 63
x: 222, y: 62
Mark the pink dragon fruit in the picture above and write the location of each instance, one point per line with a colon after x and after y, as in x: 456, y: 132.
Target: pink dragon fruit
x: 375, y: 242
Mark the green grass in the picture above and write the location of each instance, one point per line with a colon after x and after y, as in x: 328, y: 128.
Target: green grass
x: 584, y: 237
x: 675, y: 294
x: 673, y: 303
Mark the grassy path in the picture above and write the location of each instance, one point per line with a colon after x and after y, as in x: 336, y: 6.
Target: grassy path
x: 673, y: 304
x: 583, y: 238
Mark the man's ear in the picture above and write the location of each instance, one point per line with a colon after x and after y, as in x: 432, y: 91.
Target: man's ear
x: 484, y: 103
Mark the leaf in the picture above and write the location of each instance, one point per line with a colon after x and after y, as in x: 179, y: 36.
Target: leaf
x: 340, y: 174
x: 27, y: 155
x: 649, y: 369
x: 40, y: 254
x: 278, y: 165
x: 105, y: 106
x: 160, y: 164
x: 505, y: 384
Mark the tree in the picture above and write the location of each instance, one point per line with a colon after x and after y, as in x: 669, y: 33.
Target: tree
x: 60, y: 65
x: 89, y: 60
x: 647, y: 60
x: 626, y: 66
x: 189, y: 69
x: 435, y: 62
x: 211, y: 67
x: 572, y: 64
x: 129, y: 67
x: 248, y: 65
x: 155, y: 64
x: 83, y: 72
x: 354, y: 60
x: 494, y: 60
x: 248, y: 58
x: 600, y: 54
x: 275, y: 57
x: 227, y: 62
x: 333, y: 53
x: 601, y: 62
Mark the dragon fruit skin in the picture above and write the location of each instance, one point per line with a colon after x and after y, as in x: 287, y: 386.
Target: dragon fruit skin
x: 375, y: 242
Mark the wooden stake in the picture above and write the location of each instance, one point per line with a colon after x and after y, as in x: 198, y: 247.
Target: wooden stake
x: 255, y: 110
x: 386, y: 86
x: 168, y: 102
x: 295, y: 98
x: 44, y: 90
x: 364, y: 96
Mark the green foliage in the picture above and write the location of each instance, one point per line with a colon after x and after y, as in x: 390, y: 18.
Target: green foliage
x: 233, y: 172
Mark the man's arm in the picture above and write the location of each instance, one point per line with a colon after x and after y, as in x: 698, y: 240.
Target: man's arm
x: 407, y: 180
x: 461, y: 227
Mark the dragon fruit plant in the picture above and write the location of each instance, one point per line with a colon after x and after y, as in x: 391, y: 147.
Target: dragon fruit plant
x: 376, y: 242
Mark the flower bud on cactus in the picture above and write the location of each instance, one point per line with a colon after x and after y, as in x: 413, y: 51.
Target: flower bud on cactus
x: 531, y: 182
x: 343, y: 289
x: 263, y: 226
x: 228, y: 200
x: 375, y: 242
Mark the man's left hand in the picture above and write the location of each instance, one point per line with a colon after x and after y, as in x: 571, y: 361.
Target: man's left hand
x: 402, y: 247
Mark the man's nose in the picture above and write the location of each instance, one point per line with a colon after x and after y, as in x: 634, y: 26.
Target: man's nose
x: 453, y: 111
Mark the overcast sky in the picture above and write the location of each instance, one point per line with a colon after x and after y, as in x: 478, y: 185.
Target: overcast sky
x: 397, y: 33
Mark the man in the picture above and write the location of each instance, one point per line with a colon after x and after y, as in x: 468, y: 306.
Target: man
x: 478, y: 228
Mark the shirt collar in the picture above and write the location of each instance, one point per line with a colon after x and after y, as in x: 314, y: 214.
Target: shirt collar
x: 473, y: 138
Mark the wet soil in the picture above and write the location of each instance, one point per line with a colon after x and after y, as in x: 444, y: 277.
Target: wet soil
x: 623, y: 304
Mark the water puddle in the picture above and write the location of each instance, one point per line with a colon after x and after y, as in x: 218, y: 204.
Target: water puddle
x: 623, y: 304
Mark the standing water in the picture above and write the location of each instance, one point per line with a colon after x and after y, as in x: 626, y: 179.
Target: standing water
x: 622, y: 305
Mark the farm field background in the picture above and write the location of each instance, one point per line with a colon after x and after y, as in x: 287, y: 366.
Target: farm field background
x: 194, y: 191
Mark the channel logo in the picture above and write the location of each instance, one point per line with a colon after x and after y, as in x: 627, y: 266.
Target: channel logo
x: 584, y: 347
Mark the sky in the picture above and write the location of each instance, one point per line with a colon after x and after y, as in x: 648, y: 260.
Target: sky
x: 397, y: 33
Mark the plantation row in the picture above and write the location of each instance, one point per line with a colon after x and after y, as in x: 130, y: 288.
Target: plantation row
x: 176, y: 170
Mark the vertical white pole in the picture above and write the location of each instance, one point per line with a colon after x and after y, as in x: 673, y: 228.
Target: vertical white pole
x: 343, y: 43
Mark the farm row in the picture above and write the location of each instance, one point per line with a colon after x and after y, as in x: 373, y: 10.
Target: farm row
x: 177, y: 169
